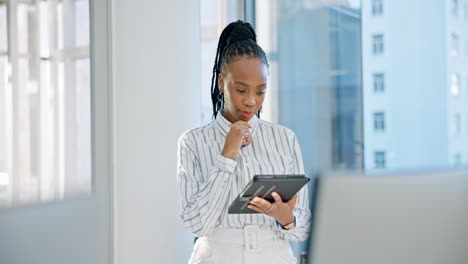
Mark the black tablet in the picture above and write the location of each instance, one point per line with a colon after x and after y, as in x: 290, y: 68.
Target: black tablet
x: 262, y: 186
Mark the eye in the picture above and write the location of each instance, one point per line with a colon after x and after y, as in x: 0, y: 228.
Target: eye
x: 241, y: 91
x: 261, y: 92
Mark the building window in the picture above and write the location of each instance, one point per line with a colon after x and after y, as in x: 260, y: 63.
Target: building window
x: 379, y: 121
x: 466, y: 48
x: 455, y: 84
x: 379, y: 82
x: 457, y: 159
x: 466, y: 85
x: 466, y: 11
x: 377, y: 44
x: 379, y: 159
x: 457, y: 123
x: 377, y: 7
x: 455, y: 7
x: 455, y: 45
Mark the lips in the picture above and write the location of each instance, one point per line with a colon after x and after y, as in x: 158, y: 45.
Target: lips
x: 246, y: 113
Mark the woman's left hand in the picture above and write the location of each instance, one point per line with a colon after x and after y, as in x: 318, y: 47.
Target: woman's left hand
x: 279, y: 210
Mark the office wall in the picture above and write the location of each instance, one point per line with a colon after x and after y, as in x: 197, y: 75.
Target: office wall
x: 156, y: 97
x: 74, y: 231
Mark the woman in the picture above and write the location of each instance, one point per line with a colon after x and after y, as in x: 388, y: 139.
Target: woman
x: 217, y: 160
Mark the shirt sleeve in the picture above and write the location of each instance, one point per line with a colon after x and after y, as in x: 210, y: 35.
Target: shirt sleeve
x: 202, y: 198
x: 302, y: 210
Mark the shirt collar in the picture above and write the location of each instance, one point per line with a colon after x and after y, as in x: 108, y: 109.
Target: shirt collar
x: 223, y: 123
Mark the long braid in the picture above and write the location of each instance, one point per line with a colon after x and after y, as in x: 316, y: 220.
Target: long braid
x: 237, y: 39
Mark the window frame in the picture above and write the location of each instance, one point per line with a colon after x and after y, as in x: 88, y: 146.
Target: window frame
x: 377, y: 7
x: 379, y: 121
x: 377, y: 44
x: 380, y: 159
x: 455, y: 6
x: 378, y: 79
x: 55, y: 59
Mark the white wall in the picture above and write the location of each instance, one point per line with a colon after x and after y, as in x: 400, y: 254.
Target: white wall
x: 76, y: 230
x: 156, y: 97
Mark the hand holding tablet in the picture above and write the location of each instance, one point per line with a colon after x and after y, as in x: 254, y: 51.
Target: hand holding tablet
x: 262, y: 186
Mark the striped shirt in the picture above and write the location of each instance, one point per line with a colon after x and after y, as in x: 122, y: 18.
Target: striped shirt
x: 209, y: 182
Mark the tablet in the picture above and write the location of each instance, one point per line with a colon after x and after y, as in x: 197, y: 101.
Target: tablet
x: 262, y: 186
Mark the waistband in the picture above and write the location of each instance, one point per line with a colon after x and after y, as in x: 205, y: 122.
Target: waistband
x: 251, y: 237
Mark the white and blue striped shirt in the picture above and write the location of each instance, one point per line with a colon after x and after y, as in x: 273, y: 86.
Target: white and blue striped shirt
x: 209, y: 182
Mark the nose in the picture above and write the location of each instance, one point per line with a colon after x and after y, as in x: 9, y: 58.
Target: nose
x: 250, y: 101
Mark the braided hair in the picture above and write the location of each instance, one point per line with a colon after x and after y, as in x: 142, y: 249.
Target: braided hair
x: 237, y: 39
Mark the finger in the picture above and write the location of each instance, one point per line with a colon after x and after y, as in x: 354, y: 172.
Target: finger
x: 261, y: 203
x: 277, y: 198
x: 245, y: 135
x: 293, y: 201
x: 255, y: 208
x: 242, y: 130
x: 243, y: 123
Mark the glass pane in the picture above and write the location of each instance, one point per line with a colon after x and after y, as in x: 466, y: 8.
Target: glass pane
x: 83, y: 100
x: 211, y: 27
x: 5, y: 139
x: 60, y: 26
x: 44, y: 30
x: 48, y: 173
x: 23, y: 28
x: 82, y: 23
x: 3, y: 29
x: 466, y: 12
x: 318, y: 52
x: 45, y: 109
x: 315, y: 87
x: 23, y: 176
x: 315, y: 74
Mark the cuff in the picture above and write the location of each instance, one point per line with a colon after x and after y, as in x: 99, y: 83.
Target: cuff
x: 281, y: 227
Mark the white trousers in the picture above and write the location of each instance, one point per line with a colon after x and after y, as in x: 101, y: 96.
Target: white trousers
x: 242, y: 246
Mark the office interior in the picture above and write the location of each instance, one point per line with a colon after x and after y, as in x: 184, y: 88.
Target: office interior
x: 94, y: 95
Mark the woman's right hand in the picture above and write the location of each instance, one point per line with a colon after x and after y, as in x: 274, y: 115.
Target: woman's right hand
x: 238, y: 134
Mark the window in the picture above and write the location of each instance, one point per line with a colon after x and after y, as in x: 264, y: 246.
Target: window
x: 45, y: 101
x: 377, y: 7
x: 379, y: 82
x: 379, y: 159
x: 379, y: 121
x: 455, y: 7
x: 455, y: 84
x: 296, y: 61
x: 466, y: 85
x: 377, y: 44
x: 466, y: 48
x: 332, y: 110
x: 296, y: 52
x: 457, y: 123
x: 466, y: 12
x: 455, y: 45
x: 214, y: 16
x: 457, y: 159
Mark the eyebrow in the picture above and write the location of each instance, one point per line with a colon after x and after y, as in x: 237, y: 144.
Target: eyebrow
x: 244, y: 84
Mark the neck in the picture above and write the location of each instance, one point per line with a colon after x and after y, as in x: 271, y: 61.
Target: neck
x: 228, y: 116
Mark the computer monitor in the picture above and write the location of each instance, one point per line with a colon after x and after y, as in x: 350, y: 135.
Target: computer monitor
x: 392, y: 218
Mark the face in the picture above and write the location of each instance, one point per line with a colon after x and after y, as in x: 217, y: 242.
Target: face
x: 244, y: 87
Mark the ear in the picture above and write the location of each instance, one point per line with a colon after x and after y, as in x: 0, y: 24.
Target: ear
x: 221, y: 83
